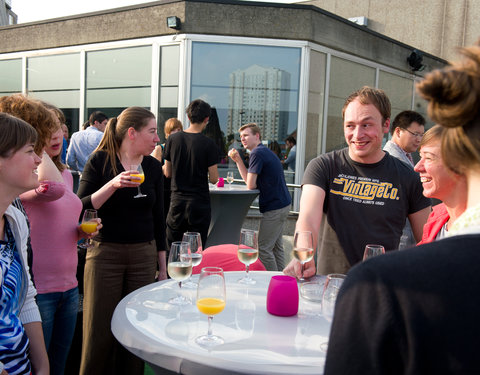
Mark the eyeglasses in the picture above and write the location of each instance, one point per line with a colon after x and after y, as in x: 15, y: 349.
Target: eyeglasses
x: 417, y: 135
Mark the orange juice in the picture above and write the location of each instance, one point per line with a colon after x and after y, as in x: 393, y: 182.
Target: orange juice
x: 210, y: 306
x: 89, y: 226
x: 137, y: 177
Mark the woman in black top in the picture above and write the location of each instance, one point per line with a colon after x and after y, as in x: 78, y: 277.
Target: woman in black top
x: 132, y: 239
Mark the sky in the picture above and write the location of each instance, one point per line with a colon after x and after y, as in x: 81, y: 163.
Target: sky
x: 36, y: 10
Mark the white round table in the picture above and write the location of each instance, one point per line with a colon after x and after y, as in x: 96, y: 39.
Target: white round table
x: 255, y: 341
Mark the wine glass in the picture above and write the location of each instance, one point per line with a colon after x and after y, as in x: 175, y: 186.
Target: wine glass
x: 211, y: 296
x: 247, y: 253
x: 303, y: 249
x: 89, y: 224
x: 229, y: 179
x: 179, y: 268
x: 330, y: 292
x: 195, y: 242
x: 373, y: 250
x: 138, y: 176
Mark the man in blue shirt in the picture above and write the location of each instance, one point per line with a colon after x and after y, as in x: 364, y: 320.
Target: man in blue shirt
x: 265, y: 173
x: 292, y: 153
x: 83, y: 143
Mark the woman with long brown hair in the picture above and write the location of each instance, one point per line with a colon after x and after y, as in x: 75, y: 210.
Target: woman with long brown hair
x: 125, y: 253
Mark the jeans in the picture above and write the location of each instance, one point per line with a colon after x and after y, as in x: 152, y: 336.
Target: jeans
x: 59, y: 315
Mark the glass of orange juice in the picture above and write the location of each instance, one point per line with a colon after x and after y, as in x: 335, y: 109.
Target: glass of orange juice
x: 211, y: 297
x: 139, y: 177
x: 89, y: 223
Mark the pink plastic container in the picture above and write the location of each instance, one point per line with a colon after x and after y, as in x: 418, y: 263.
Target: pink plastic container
x: 282, y: 296
x: 220, y: 182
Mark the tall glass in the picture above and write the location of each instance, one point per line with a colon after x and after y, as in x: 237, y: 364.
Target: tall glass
x: 247, y: 253
x: 195, y: 242
x: 179, y: 269
x: 330, y: 293
x: 211, y: 299
x: 372, y: 251
x: 303, y: 248
x: 89, y: 224
x: 138, y: 176
x: 230, y: 179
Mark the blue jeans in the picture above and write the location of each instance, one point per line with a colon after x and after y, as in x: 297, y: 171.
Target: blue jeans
x: 59, y: 316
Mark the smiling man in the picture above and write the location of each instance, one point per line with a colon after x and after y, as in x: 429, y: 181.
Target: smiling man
x: 360, y: 194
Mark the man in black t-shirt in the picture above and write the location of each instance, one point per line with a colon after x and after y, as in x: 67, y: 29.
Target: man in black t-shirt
x: 190, y: 161
x: 360, y: 194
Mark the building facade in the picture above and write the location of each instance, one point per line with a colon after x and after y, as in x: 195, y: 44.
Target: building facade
x: 7, y: 16
x: 288, y: 67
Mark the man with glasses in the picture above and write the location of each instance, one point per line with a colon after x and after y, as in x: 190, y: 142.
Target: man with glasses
x: 407, y: 130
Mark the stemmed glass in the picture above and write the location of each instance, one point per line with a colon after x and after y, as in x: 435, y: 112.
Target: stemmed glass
x: 230, y: 179
x: 179, y: 268
x: 211, y: 297
x: 330, y: 292
x: 195, y: 242
x: 138, y: 176
x: 303, y: 249
x: 89, y: 224
x: 247, y: 253
x: 372, y: 251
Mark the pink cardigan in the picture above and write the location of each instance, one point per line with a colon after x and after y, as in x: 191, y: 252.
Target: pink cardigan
x: 53, y: 210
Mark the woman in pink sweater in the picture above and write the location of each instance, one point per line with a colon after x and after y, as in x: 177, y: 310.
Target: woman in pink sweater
x: 54, y: 211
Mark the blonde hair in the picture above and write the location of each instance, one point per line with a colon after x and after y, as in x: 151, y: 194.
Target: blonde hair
x: 254, y: 127
x: 172, y: 124
x: 454, y: 102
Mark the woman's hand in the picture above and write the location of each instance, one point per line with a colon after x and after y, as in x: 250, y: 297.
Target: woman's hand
x: 124, y: 179
x: 82, y: 234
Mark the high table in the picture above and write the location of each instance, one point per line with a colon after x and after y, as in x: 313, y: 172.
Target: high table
x: 229, y: 208
x: 255, y: 341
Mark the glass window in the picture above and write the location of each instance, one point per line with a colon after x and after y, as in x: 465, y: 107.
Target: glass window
x: 169, y: 75
x: 345, y: 78
x: 118, y: 78
x: 247, y: 83
x: 399, y: 90
x: 56, y: 80
x: 316, y: 98
x: 10, y: 76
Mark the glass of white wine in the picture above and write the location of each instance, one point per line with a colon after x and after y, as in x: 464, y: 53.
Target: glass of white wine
x: 195, y: 242
x: 211, y: 299
x: 372, y: 250
x: 179, y: 268
x: 247, y: 253
x: 230, y: 179
x: 89, y: 223
x: 331, y: 288
x: 303, y: 248
x: 138, y: 176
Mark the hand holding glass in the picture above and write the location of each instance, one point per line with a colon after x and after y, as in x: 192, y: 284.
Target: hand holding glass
x: 195, y: 242
x: 89, y: 223
x: 138, y: 177
x: 372, y: 251
x: 211, y: 297
x: 303, y: 248
x: 179, y: 268
x: 247, y: 253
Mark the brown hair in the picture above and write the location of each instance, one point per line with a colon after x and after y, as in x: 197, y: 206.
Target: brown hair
x: 14, y: 134
x: 370, y: 95
x: 33, y: 112
x: 116, y: 130
x: 172, y: 124
x: 254, y: 127
x: 57, y: 159
x: 435, y: 133
x: 454, y: 102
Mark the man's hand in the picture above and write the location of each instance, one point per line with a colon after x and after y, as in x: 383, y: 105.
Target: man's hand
x: 294, y: 268
x: 234, y: 155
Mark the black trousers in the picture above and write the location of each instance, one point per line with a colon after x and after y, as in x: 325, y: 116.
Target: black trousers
x: 187, y: 215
